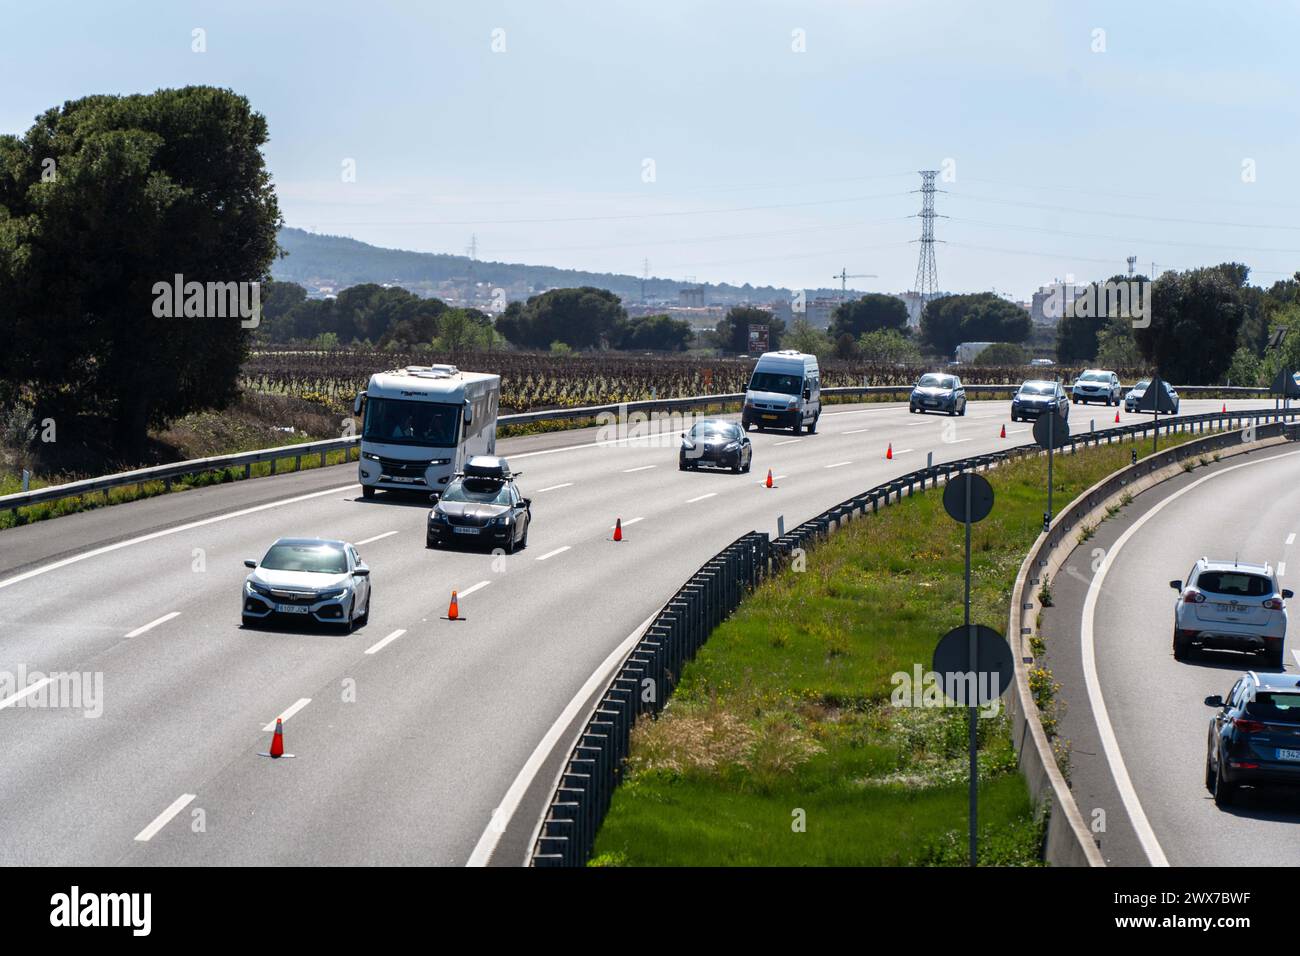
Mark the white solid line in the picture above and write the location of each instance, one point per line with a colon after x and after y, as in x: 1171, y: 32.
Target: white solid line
x: 917, y: 424
x: 839, y: 464
x: 378, y: 646
x: 628, y: 471
x: 567, y: 484
x: 551, y: 554
x: 1290, y: 539
x: 152, y: 624
x: 788, y: 441
x: 160, y: 821
x: 691, y: 501
x: 55, y: 565
x: 1296, y: 653
x: 376, y: 538
x: 297, y: 705
x: 629, y: 521
x: 1145, y: 834
x: 856, y: 431
x: 505, y: 811
x: 29, y: 689
x: 475, y: 587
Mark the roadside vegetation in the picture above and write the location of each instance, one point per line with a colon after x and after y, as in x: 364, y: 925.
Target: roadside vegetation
x: 787, y: 708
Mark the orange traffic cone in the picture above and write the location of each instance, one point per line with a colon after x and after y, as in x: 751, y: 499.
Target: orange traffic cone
x: 1004, y: 432
x: 618, y: 529
x: 453, y: 609
x: 1117, y: 416
x: 889, y: 452
x: 277, y: 742
x: 1224, y: 410
x: 769, y: 478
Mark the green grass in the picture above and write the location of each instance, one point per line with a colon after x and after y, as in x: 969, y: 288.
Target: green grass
x: 787, y: 706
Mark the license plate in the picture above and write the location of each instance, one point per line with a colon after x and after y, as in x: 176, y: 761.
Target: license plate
x: 769, y: 417
x: 293, y: 609
x: 402, y: 481
x: 1231, y: 609
x: 467, y: 530
x: 931, y: 401
x: 1288, y: 754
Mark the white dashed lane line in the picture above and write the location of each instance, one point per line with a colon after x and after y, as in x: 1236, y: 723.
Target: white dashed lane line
x: 567, y: 484
x: 152, y: 624
x: 474, y: 587
x: 293, y: 709
x: 628, y: 522
x: 628, y: 471
x: 378, y: 537
x: 691, y: 501
x: 788, y: 441
x: 160, y: 821
x: 856, y: 431
x: 1290, y: 539
x: 551, y: 554
x: 29, y: 689
x: 378, y: 646
x: 839, y: 464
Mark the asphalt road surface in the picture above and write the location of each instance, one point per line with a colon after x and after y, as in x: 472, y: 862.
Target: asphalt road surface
x: 409, y: 732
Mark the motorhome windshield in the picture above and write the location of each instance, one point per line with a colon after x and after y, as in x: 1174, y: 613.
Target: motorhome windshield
x: 399, y: 422
x: 776, y: 382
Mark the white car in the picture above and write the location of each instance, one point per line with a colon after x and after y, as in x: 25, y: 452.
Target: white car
x: 1097, y: 385
x: 308, y: 579
x: 1227, y: 604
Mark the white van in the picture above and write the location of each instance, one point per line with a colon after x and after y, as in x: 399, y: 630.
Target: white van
x: 422, y: 423
x: 784, y: 392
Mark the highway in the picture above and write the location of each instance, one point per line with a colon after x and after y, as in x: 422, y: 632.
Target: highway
x: 1140, y: 723
x: 409, y: 732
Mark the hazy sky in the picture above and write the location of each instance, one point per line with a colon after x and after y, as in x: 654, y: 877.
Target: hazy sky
x: 1071, y: 148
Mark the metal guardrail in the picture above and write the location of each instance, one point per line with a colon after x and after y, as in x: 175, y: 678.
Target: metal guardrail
x: 595, y: 765
x: 170, y: 472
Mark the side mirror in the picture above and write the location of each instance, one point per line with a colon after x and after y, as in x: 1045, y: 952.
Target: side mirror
x: 1176, y: 585
x: 1214, y: 701
x: 250, y: 563
x: 807, y: 394
x: 526, y: 502
x: 356, y: 405
x: 1287, y: 593
x: 362, y: 572
x: 469, y: 414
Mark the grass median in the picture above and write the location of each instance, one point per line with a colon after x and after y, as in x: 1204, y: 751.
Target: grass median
x: 781, y: 746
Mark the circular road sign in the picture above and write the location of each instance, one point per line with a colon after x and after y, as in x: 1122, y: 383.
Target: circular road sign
x: 1060, y: 430
x: 981, y: 496
x: 985, y: 682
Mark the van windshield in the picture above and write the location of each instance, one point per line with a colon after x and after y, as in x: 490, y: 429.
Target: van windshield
x: 398, y: 422
x: 776, y: 382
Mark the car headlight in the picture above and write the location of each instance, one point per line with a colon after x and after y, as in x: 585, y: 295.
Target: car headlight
x: 258, y: 588
x: 732, y: 446
x: 332, y: 593
x: 436, y: 517
x: 371, y: 456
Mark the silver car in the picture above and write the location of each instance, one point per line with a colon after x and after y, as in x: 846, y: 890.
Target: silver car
x: 1137, y: 391
x: 308, y: 579
x: 1096, y: 385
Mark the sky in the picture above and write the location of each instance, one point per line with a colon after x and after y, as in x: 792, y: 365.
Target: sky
x: 737, y: 140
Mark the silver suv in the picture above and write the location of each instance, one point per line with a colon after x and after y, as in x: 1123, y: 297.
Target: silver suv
x: 1228, y: 604
x: 1097, y: 385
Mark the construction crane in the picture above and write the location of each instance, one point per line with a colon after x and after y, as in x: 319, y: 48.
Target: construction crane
x: 844, y: 276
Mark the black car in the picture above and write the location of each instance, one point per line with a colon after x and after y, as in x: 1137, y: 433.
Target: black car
x: 481, y: 505
x: 1254, y: 736
x: 937, y: 391
x: 715, y: 442
x: 1034, y: 398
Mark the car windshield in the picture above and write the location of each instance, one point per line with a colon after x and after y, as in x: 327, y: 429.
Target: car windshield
x: 936, y: 381
x: 1094, y: 377
x: 1037, y: 389
x: 776, y: 382
x: 322, y: 559
x: 1275, y: 708
x: 1142, y: 385
x: 727, y: 430
x: 479, y: 491
x: 398, y: 422
x: 1235, y: 583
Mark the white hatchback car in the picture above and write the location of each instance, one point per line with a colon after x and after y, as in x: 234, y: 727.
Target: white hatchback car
x: 308, y: 579
x: 1227, y: 604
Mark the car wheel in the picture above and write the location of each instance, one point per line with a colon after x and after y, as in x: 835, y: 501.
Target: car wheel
x: 748, y: 462
x: 812, y: 426
x: 962, y: 413
x: 1274, y: 659
x: 510, y: 541
x: 367, y: 492
x: 798, y: 426
x: 364, y: 619
x: 249, y: 622
x: 523, y: 542
x: 1224, y: 792
x: 681, y: 464
x: 346, y: 626
x: 1182, y: 647
x: 912, y: 409
x: 1209, y: 772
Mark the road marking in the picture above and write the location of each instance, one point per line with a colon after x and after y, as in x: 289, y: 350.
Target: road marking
x: 377, y: 537
x: 788, y: 441
x: 839, y: 464
x: 628, y: 522
x: 1281, y: 568
x: 628, y: 471
x: 1290, y: 539
x: 1017, y: 431
x: 152, y: 624
x: 297, y: 705
x: 958, y: 441
x: 29, y: 689
x: 917, y: 424
x: 551, y: 554
x: 1296, y: 653
x: 856, y: 431
x: 476, y: 587
x: 691, y: 501
x: 567, y: 484
x: 509, y: 805
x: 901, y: 451
x: 378, y: 646
x: 160, y: 821
x: 763, y: 483
x: 1110, y: 743
x: 154, y: 535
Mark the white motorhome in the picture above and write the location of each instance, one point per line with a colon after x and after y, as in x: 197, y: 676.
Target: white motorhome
x: 422, y: 423
x: 784, y: 392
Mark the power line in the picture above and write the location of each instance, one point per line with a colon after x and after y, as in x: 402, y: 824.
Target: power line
x: 1125, y: 215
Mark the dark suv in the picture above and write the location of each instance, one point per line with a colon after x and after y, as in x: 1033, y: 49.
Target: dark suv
x: 1254, y: 736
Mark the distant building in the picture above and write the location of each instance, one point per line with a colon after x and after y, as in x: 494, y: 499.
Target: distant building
x: 1051, y: 301
x: 691, y: 297
x: 915, y: 306
x: 818, y: 311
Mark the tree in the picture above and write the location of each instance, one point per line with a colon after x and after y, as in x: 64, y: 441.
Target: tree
x: 871, y: 313
x: 659, y: 332
x: 803, y: 337
x: 1195, y: 317
x: 1115, y: 345
x: 733, y: 330
x: 979, y: 317
x: 581, y: 318
x: 1001, y: 353
x: 103, y: 201
x: 890, y: 347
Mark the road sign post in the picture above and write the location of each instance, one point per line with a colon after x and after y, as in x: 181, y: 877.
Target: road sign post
x: 1051, y: 432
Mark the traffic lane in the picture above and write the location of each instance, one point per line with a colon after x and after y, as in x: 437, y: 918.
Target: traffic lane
x: 1156, y: 705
